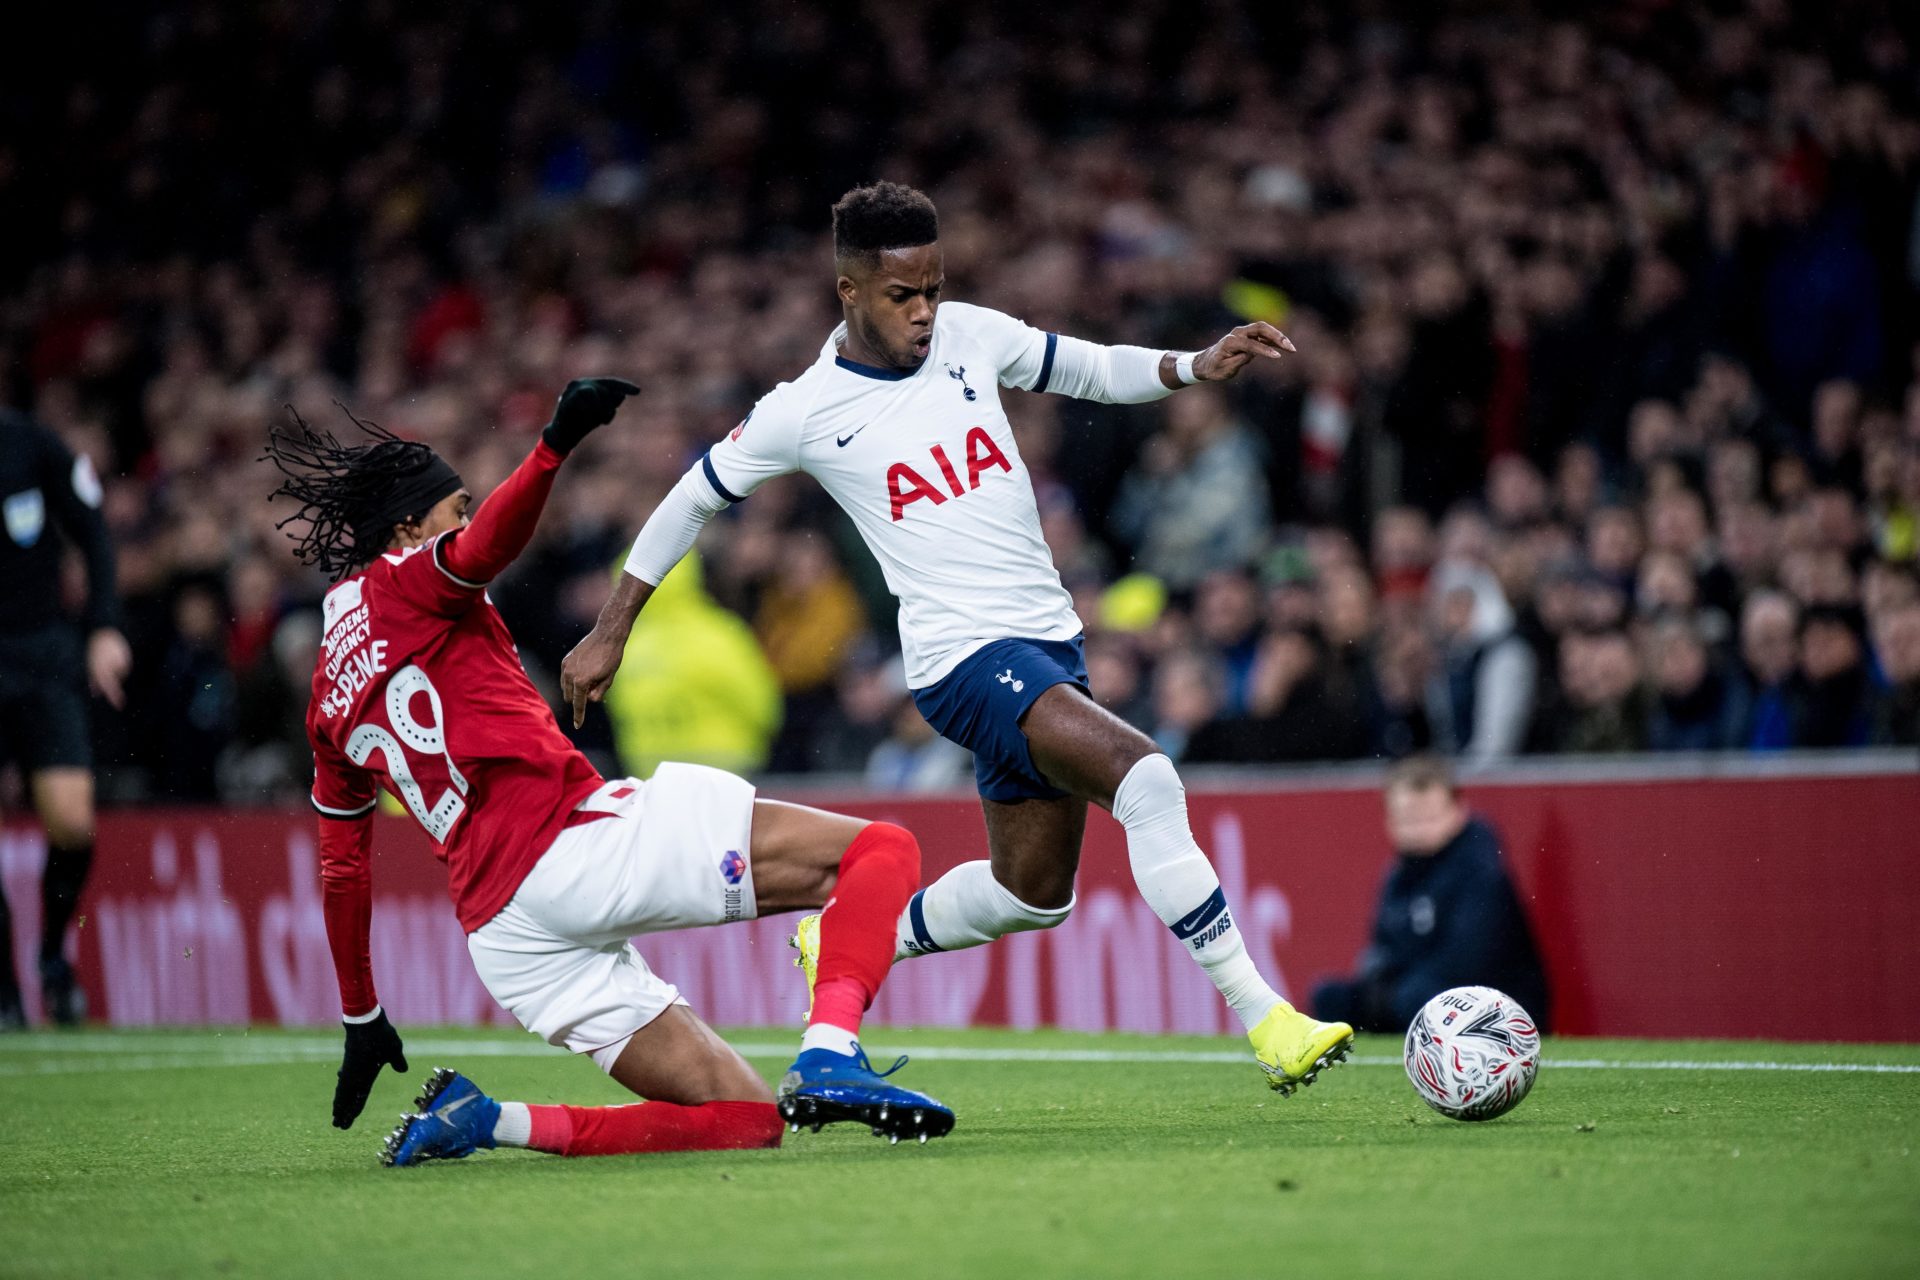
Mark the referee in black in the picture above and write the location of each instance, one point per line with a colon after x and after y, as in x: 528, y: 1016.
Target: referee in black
x: 49, y: 498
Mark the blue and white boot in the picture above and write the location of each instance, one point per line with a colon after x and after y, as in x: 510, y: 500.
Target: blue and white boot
x: 454, y: 1120
x: 823, y: 1087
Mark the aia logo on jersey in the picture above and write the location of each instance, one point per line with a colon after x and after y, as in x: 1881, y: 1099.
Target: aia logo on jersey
x: 733, y: 866
x: 906, y: 485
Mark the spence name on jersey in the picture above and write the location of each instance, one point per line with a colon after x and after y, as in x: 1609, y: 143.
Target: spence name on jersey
x: 418, y: 689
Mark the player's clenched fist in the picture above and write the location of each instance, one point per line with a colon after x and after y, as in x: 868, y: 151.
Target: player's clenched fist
x: 1227, y: 357
x: 585, y: 404
x: 370, y: 1046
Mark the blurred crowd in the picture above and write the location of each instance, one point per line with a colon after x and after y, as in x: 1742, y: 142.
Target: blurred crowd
x: 1603, y: 435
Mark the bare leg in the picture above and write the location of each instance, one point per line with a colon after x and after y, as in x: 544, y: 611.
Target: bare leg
x: 1085, y: 748
x: 1081, y: 746
x: 680, y: 1059
x: 1034, y: 847
x: 700, y: 1096
x: 63, y: 797
x: 796, y: 854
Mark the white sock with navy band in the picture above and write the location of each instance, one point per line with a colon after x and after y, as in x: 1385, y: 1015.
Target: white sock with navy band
x: 1178, y: 882
x: 965, y: 908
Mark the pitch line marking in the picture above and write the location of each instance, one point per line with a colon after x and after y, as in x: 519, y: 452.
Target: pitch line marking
x: 70, y: 1054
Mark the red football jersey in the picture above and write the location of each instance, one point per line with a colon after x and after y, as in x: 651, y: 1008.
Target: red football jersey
x: 418, y: 688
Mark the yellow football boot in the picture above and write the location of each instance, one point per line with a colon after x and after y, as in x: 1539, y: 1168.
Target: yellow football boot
x: 806, y: 940
x: 1293, y: 1049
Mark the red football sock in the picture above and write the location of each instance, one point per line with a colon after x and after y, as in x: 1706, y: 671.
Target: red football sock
x: 654, y: 1126
x: 878, y: 873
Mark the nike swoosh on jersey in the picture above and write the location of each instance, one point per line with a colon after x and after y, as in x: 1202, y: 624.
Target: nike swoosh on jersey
x: 843, y: 441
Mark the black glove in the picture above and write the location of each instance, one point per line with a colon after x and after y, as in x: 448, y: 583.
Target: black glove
x: 585, y: 404
x: 370, y: 1046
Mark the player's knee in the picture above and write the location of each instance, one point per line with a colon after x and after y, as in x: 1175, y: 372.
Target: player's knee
x: 728, y: 1078
x: 893, y: 842
x: 1151, y: 788
x: 724, y: 1085
x: 69, y: 826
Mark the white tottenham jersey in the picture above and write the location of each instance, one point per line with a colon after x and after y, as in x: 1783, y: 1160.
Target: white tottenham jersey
x: 926, y: 465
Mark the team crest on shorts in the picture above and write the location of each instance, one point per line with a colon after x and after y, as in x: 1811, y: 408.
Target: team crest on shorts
x: 733, y: 866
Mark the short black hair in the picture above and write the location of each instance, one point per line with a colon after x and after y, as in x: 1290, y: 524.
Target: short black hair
x: 1834, y: 615
x: 880, y: 216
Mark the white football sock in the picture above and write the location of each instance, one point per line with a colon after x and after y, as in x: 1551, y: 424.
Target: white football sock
x: 822, y: 1035
x: 965, y: 908
x: 1180, y: 885
x: 514, y: 1128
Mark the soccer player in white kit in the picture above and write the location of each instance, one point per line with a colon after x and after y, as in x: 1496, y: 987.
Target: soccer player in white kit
x: 900, y: 420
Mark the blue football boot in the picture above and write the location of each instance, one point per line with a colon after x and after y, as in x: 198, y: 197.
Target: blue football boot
x: 823, y: 1087
x: 454, y: 1120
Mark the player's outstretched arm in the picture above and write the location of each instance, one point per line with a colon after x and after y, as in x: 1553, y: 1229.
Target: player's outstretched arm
x: 588, y: 669
x: 1137, y: 375
x: 1226, y: 358
x: 764, y: 445
x: 586, y: 673
x: 346, y: 880
x: 504, y: 523
x: 344, y: 796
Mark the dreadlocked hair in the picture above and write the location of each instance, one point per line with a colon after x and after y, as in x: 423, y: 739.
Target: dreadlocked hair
x: 346, y: 492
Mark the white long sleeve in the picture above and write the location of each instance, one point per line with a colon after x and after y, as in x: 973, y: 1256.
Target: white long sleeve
x: 1111, y: 375
x: 674, y: 525
x: 1036, y: 361
x: 1502, y: 701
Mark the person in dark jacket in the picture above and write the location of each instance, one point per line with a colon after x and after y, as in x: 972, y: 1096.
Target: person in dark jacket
x: 1448, y: 915
x: 1896, y: 642
x: 1294, y: 711
x: 49, y: 661
x: 1698, y: 706
x: 1839, y: 703
x: 1770, y: 652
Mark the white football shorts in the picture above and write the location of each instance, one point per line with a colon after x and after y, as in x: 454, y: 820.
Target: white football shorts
x: 672, y: 853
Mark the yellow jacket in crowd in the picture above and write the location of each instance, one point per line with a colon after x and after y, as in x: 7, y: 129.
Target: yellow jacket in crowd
x: 694, y: 685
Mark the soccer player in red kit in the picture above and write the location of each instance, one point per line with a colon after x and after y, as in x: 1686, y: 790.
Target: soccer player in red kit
x: 552, y: 869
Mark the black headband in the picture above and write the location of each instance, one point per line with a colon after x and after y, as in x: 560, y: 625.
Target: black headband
x: 415, y: 495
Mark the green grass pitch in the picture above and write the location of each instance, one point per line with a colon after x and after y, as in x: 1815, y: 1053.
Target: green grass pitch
x: 196, y: 1154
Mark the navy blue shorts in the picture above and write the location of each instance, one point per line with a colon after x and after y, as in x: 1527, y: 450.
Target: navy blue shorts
x: 980, y: 702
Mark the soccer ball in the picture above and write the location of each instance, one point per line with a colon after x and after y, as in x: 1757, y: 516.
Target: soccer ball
x: 1472, y: 1053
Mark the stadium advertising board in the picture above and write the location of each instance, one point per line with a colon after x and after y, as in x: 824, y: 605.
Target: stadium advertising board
x: 1781, y: 908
